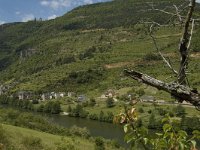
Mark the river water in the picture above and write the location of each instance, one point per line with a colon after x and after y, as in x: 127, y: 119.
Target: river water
x: 96, y: 128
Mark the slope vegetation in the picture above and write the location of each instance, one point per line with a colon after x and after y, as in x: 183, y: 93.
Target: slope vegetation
x: 74, y: 52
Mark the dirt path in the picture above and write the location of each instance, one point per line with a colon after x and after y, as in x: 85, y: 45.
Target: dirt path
x: 118, y: 65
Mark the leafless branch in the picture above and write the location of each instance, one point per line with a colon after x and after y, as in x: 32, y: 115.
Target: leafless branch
x: 180, y: 92
x: 159, y: 52
x: 178, y: 14
x: 191, y: 33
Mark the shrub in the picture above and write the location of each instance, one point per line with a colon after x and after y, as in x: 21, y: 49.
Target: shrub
x: 139, y: 123
x: 141, y: 110
x: 52, y: 107
x: 85, y: 104
x: 69, y: 109
x: 40, y: 108
x: 110, y: 102
x: 149, y: 111
x: 101, y: 116
x: 99, y: 144
x: 65, y: 146
x: 190, y: 124
x: 140, y: 92
x: 78, y: 111
x: 171, y: 114
x: 109, y: 117
x: 82, y: 132
x: 152, y: 122
x: 35, y: 102
x: 93, y: 117
x: 161, y: 111
x: 92, y: 102
x: 115, y: 144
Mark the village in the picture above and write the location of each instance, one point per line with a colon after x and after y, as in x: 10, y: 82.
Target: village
x: 81, y: 98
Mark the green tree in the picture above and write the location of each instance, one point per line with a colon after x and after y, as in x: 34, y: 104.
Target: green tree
x: 110, y: 102
x: 69, y: 109
x: 55, y: 108
x: 40, y: 108
x: 92, y: 102
x: 77, y: 110
x: 101, y: 116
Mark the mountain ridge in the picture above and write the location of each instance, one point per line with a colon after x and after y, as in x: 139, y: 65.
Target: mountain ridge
x: 49, y: 55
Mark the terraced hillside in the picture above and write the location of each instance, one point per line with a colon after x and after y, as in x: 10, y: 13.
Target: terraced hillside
x: 86, y: 49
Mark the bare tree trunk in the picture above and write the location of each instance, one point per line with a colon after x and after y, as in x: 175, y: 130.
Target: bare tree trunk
x: 184, y: 49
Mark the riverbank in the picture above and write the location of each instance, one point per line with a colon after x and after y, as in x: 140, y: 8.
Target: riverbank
x: 43, y: 140
x: 48, y: 125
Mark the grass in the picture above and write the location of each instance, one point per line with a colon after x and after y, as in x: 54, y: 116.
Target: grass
x: 49, y: 141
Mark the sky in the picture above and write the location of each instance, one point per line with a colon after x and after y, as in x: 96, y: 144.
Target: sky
x: 24, y: 10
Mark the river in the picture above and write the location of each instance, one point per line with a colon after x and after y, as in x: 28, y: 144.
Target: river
x: 96, y: 128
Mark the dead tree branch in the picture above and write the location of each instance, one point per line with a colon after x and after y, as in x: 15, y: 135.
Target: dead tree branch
x: 180, y: 92
x: 159, y: 52
x: 178, y: 14
x: 191, y: 33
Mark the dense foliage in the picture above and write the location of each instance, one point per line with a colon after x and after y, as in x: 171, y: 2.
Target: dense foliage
x: 170, y: 137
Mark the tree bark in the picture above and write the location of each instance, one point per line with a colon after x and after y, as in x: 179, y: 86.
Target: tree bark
x: 180, y: 92
x: 183, y: 48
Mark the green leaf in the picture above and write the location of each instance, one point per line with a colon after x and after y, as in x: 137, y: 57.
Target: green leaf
x: 182, y: 145
x: 167, y: 127
x: 162, y: 144
x: 129, y: 137
x: 143, y: 131
x: 194, y: 143
x: 182, y: 134
x: 165, y: 120
x: 167, y: 134
x: 145, y: 141
x: 196, y: 134
x: 126, y: 128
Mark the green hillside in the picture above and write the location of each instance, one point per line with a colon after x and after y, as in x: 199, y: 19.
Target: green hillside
x: 86, y: 49
x: 33, y: 140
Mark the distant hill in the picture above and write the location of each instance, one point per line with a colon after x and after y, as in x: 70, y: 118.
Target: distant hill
x: 86, y: 49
